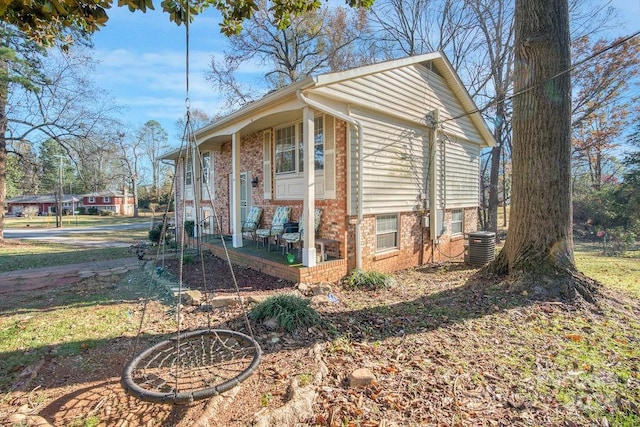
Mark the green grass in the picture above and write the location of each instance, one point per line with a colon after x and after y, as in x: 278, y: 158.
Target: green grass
x: 22, y: 256
x: 70, y: 221
x: 620, y: 273
x: 67, y: 321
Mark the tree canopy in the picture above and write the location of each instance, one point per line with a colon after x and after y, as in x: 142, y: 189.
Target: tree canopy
x: 46, y: 21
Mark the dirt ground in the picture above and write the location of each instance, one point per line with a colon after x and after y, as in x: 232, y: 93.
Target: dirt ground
x: 441, y: 345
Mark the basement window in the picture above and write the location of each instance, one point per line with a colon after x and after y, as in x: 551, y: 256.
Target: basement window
x: 386, y: 232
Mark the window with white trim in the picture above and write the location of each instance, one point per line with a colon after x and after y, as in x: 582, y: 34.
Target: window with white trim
x: 457, y: 221
x: 286, y: 150
x: 289, y: 147
x: 188, y: 176
x: 386, y: 232
x: 206, y: 167
x: 92, y: 199
x: 106, y: 200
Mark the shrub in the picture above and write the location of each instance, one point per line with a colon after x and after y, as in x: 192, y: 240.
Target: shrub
x: 30, y: 212
x: 92, y: 210
x: 188, y: 259
x: 155, y: 233
x: 369, y: 280
x: 189, y: 226
x: 290, y: 311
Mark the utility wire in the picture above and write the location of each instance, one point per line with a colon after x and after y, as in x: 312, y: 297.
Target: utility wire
x: 535, y: 85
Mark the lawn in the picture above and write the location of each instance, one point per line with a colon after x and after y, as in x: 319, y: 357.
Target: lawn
x: 71, y: 221
x: 446, y: 347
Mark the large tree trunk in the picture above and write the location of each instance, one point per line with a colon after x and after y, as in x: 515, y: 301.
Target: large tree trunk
x: 538, y: 250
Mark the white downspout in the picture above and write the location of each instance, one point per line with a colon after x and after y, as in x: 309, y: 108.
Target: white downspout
x: 357, y: 124
x: 433, y: 184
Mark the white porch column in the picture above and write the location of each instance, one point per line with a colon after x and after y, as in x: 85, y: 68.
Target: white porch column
x: 235, y: 176
x: 309, y: 246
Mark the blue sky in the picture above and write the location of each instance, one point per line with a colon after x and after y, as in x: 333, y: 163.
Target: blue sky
x: 142, y: 62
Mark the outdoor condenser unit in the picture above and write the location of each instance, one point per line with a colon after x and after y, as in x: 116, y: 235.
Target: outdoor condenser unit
x: 482, y: 246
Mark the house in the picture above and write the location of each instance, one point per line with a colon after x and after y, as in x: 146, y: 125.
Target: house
x: 45, y: 204
x: 118, y: 202
x: 390, y: 152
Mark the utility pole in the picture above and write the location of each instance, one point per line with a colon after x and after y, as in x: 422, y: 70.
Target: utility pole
x: 60, y: 191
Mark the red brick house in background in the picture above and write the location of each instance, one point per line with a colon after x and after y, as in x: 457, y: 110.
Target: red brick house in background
x: 46, y: 204
x: 390, y: 152
x: 113, y: 201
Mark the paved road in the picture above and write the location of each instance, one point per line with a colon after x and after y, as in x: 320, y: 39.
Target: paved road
x: 65, y: 234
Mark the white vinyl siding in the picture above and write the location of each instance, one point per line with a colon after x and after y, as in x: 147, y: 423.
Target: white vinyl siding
x: 461, y: 173
x: 408, y: 92
x: 395, y: 165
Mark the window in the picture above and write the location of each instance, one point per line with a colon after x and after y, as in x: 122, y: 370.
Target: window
x: 206, y: 167
x: 92, y: 199
x: 286, y: 150
x: 456, y: 221
x: 386, y: 232
x: 188, y: 174
x: 289, y: 147
x: 318, y: 144
x: 106, y: 200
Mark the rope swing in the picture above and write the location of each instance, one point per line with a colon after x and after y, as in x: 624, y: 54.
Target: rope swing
x: 199, y: 364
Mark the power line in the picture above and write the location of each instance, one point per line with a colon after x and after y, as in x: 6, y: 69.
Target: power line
x: 535, y: 85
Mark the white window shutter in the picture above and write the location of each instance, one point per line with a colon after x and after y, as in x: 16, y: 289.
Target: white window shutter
x: 329, y: 158
x: 266, y: 164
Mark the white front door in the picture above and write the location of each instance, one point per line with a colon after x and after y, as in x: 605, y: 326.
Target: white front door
x: 245, y: 199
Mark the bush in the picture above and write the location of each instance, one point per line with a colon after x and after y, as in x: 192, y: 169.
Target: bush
x: 189, y: 226
x: 369, y: 280
x: 290, y: 311
x: 30, y: 212
x: 92, y: 210
x: 107, y: 212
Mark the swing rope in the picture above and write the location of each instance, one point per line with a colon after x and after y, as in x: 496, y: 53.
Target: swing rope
x: 199, y: 364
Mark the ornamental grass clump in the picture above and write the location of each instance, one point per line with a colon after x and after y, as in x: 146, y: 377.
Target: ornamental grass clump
x: 369, y: 280
x: 289, y: 311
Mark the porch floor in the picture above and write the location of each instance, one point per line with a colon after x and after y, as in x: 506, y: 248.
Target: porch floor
x: 274, y: 262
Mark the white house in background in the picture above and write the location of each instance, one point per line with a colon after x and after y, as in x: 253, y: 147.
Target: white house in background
x: 390, y: 152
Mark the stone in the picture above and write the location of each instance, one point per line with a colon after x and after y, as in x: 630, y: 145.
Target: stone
x: 361, y: 377
x: 257, y: 299
x: 303, y: 287
x: 322, y: 289
x: 271, y: 324
x: 224, y: 301
x: 192, y: 297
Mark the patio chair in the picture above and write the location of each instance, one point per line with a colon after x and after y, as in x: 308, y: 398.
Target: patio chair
x: 251, y: 222
x: 292, y: 238
x: 280, y: 217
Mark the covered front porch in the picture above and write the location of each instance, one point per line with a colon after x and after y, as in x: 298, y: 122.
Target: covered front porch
x: 274, y: 262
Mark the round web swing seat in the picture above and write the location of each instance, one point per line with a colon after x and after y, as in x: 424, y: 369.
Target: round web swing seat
x: 192, y: 366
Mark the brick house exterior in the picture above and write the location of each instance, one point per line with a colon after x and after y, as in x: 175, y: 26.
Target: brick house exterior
x: 396, y: 189
x: 117, y: 202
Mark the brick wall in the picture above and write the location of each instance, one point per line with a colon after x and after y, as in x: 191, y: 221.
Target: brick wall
x: 414, y: 249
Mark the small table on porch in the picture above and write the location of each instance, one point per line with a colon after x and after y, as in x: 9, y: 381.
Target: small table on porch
x: 324, y: 242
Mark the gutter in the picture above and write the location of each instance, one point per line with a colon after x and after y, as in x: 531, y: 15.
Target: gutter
x: 357, y: 124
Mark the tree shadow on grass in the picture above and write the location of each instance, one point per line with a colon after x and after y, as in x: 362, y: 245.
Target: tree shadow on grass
x: 437, y: 306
